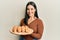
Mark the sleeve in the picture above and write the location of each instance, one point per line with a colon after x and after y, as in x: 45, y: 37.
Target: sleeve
x: 40, y: 30
x: 21, y: 22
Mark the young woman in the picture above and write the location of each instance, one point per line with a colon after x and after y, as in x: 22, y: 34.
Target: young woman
x: 32, y: 20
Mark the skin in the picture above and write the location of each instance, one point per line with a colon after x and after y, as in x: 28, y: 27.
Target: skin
x: 31, y: 11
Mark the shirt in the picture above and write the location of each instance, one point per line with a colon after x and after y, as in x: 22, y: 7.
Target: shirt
x: 37, y: 26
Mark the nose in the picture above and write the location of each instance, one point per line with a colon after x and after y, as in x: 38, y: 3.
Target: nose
x: 29, y: 11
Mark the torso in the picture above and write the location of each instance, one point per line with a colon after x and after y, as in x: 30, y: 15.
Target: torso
x: 31, y: 20
x: 32, y: 25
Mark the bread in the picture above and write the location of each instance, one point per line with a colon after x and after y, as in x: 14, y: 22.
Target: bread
x: 14, y: 29
x: 23, y: 28
x: 27, y: 29
x: 19, y: 29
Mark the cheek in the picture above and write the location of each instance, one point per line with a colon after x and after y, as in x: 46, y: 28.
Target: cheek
x: 30, y: 12
x: 27, y: 11
x: 33, y: 11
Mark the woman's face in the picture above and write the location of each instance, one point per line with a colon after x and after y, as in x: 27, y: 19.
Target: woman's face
x: 30, y: 10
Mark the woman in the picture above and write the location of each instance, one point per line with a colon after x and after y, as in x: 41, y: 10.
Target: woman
x: 32, y: 21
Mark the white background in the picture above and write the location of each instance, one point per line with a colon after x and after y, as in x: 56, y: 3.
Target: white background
x: 12, y: 11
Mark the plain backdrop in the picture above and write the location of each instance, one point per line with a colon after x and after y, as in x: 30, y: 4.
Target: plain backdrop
x: 12, y: 11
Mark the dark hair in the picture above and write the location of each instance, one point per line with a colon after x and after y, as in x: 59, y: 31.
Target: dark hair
x: 26, y: 15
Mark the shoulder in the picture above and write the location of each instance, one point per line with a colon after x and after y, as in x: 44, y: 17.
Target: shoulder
x: 40, y: 23
x: 39, y: 19
x: 22, y: 20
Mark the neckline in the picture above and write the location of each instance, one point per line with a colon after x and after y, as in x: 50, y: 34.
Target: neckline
x: 32, y: 21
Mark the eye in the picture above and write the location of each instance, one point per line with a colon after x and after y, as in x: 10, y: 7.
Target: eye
x: 27, y: 8
x: 31, y: 8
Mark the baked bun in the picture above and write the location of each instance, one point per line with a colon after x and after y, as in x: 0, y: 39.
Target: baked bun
x: 14, y: 29
x: 27, y: 29
x: 23, y: 28
x: 19, y: 29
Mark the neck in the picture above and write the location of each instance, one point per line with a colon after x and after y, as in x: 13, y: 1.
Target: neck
x: 32, y: 17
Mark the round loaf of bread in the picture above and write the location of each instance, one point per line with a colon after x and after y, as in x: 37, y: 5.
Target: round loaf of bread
x: 23, y: 29
x: 19, y: 29
x: 14, y: 29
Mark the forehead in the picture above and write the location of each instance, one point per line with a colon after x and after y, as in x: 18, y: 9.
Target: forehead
x: 30, y: 6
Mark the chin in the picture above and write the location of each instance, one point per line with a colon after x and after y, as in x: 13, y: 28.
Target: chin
x: 30, y: 16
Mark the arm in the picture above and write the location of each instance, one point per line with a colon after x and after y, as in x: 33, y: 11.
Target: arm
x: 22, y: 22
x: 40, y: 30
